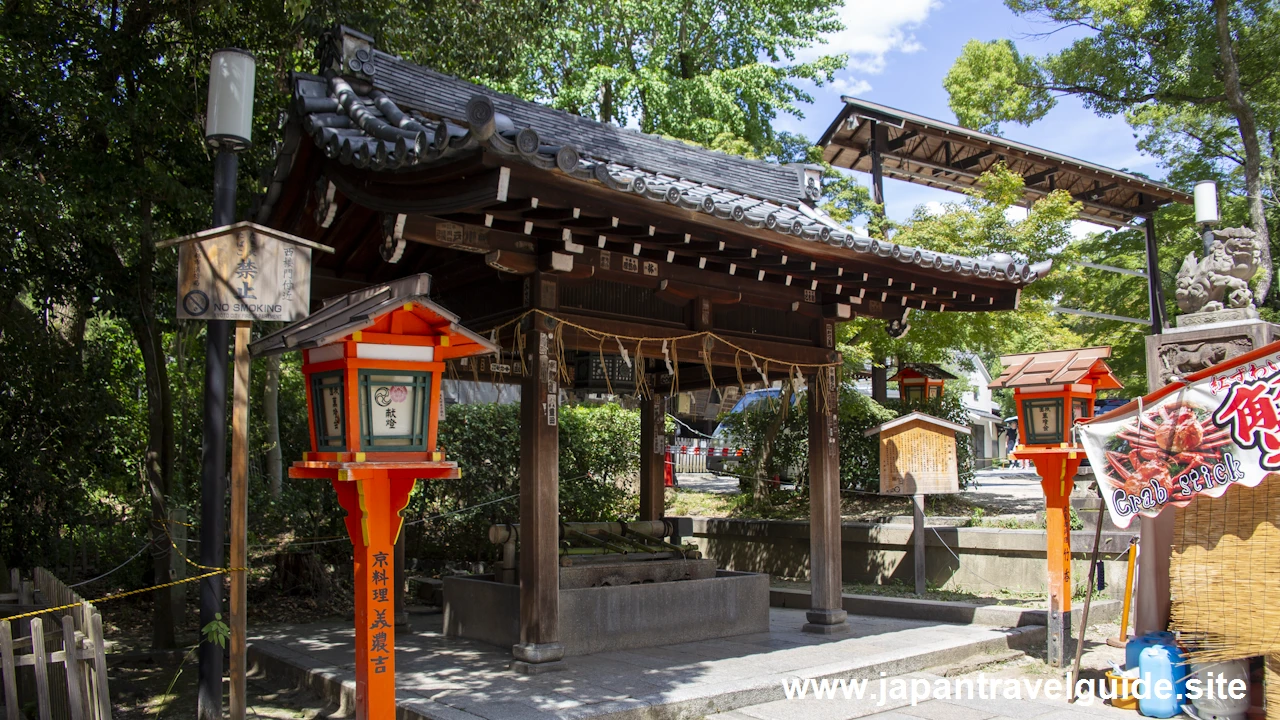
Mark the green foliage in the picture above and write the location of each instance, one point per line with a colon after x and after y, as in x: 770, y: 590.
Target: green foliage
x: 859, y: 454
x: 216, y: 631
x: 102, y: 154
x: 692, y: 69
x: 748, y: 429
x: 991, y: 81
x: 977, y: 226
x: 1161, y: 64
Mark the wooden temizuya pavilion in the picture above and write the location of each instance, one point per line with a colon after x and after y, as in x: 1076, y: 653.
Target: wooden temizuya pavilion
x: 568, y: 241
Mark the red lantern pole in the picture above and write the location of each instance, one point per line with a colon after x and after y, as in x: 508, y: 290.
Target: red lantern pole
x: 1057, y: 467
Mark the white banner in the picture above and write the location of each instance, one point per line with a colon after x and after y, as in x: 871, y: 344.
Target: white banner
x: 1199, y: 436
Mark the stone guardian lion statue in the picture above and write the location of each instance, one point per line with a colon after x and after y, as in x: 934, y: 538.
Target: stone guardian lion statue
x: 1221, y: 279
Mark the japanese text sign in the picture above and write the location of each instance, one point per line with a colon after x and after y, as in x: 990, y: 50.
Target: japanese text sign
x: 243, y: 272
x: 1193, y: 438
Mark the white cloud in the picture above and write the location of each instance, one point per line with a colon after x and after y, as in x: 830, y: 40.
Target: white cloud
x: 872, y: 30
x: 849, y: 85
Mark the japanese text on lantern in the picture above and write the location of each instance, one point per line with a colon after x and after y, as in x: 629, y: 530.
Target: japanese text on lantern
x: 379, y: 648
x: 1249, y: 412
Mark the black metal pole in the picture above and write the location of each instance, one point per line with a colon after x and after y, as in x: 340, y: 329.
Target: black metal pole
x: 1155, y: 288
x: 213, y: 475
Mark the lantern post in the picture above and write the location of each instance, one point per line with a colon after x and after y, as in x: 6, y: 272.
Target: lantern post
x: 373, y: 360
x: 229, y: 130
x: 1053, y: 390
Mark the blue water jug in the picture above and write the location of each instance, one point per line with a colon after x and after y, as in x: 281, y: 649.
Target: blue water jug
x: 1134, y: 647
x: 1156, y: 663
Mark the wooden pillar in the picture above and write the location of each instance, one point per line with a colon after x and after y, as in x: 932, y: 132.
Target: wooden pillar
x: 917, y: 534
x: 239, y: 520
x: 653, y: 457
x: 826, y: 612
x: 539, y: 648
x: 879, y: 138
x: 1155, y: 288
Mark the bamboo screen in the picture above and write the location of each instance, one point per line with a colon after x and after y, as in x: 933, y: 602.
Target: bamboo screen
x: 1224, y: 579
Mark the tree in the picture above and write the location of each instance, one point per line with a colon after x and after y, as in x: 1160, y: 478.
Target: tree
x: 1149, y: 59
x: 700, y: 70
x: 977, y: 227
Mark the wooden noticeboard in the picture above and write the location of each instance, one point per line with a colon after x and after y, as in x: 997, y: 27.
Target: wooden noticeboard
x: 918, y: 455
x: 243, y: 272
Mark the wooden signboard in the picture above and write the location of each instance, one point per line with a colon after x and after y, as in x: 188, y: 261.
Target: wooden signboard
x: 918, y: 458
x: 918, y: 455
x: 243, y: 272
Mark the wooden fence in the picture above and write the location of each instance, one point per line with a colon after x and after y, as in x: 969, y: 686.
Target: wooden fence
x: 53, y: 665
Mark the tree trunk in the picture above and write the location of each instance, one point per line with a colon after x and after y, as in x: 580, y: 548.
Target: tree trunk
x: 158, y: 459
x: 761, y: 488
x: 271, y: 410
x: 1249, y: 139
x: 880, y: 381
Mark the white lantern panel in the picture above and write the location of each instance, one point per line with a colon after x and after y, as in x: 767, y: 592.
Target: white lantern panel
x: 393, y: 410
x: 329, y: 404
x: 1044, y: 421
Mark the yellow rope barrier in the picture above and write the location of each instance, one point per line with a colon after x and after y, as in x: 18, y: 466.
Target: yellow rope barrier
x: 117, y: 596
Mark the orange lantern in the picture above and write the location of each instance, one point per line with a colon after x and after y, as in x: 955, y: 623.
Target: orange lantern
x: 920, y: 381
x: 373, y: 360
x: 1046, y: 387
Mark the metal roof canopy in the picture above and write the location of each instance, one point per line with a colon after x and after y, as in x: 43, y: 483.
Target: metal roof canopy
x: 938, y: 154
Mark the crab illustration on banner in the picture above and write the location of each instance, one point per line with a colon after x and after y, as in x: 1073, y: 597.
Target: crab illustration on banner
x: 1196, y: 436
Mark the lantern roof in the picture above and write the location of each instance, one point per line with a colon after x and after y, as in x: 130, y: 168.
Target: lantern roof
x: 1058, y: 367
x: 925, y: 370
x: 364, y: 309
x: 909, y: 417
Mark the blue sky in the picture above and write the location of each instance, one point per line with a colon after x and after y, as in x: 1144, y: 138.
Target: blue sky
x: 899, y: 52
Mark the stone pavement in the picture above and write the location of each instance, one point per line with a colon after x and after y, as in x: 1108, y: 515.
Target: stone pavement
x: 963, y: 708
x: 1010, y: 491
x: 708, y: 483
x: 450, y: 679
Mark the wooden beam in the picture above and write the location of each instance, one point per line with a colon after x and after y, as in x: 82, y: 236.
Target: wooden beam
x: 900, y: 141
x: 1039, y: 177
x: 967, y: 162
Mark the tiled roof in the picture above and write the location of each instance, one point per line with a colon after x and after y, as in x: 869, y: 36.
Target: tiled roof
x: 929, y: 370
x: 343, y: 315
x: 393, y: 115
x: 1060, y: 367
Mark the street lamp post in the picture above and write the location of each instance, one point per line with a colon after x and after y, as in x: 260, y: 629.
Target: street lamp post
x: 228, y: 129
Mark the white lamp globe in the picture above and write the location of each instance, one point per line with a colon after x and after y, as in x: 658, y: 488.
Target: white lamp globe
x: 229, y: 118
x: 1205, y: 195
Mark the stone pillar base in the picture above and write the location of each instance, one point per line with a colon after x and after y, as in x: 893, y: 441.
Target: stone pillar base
x: 537, y: 658
x: 525, y: 668
x: 826, y: 622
